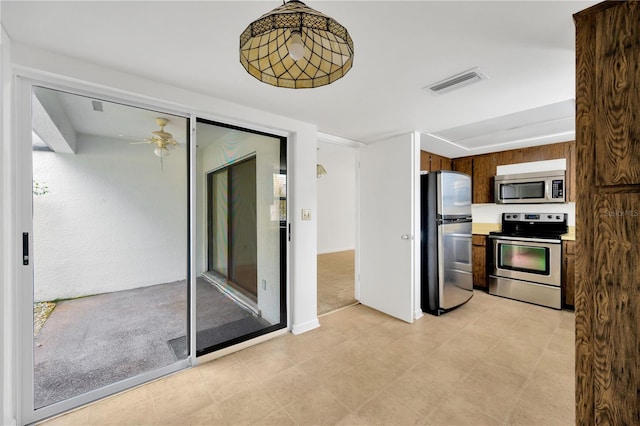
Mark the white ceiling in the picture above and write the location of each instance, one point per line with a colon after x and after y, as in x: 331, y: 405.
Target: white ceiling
x: 526, y: 48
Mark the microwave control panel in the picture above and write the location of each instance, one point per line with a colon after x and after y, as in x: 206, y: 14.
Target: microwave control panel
x: 557, y: 188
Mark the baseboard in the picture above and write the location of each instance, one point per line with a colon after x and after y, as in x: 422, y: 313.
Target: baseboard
x: 304, y: 327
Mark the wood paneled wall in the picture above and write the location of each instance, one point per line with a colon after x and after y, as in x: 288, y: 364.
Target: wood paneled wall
x: 607, y: 297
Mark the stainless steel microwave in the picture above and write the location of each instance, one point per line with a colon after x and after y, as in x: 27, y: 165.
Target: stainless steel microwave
x: 536, y: 187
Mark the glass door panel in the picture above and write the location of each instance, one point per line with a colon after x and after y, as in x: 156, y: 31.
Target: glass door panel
x: 110, y: 219
x: 241, y: 226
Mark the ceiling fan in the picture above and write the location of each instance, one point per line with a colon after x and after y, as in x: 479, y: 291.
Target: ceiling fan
x: 163, y: 140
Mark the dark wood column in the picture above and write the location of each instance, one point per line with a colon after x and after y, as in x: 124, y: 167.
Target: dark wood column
x: 607, y: 297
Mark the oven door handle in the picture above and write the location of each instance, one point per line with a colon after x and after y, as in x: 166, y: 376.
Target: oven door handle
x: 526, y: 239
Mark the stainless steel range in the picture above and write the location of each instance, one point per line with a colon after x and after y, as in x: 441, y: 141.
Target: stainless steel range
x: 526, y: 258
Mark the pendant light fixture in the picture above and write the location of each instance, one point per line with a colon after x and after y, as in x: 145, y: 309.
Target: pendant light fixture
x: 297, y: 47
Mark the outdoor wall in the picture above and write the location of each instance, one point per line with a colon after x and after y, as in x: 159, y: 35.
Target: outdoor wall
x: 336, y: 198
x: 217, y: 153
x: 112, y: 219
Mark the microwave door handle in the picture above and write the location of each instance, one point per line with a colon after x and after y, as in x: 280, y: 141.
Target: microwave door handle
x: 547, y: 190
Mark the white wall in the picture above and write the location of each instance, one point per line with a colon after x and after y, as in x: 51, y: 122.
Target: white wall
x: 215, y: 154
x: 40, y: 64
x: 112, y: 220
x: 336, y: 198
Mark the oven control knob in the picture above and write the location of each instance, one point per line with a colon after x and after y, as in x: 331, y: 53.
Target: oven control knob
x: 558, y: 217
x: 549, y: 217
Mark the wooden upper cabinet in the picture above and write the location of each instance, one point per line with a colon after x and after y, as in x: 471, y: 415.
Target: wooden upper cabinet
x: 617, y: 116
x: 484, y: 171
x: 432, y: 162
x: 463, y: 165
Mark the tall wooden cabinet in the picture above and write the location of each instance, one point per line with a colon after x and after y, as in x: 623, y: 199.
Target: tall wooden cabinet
x: 607, y: 297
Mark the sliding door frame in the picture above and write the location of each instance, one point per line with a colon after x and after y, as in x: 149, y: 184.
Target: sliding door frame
x: 24, y: 353
x: 284, y: 235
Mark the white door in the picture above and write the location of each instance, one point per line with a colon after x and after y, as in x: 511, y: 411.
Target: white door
x: 389, y: 239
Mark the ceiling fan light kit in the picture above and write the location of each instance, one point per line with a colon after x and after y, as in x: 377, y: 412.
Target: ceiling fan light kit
x: 163, y: 140
x: 297, y: 47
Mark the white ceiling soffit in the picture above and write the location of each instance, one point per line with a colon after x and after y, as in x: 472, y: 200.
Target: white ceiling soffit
x: 546, y: 124
x: 51, y: 123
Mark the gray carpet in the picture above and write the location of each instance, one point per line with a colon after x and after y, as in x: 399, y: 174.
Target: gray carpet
x: 94, y: 341
x: 336, y: 280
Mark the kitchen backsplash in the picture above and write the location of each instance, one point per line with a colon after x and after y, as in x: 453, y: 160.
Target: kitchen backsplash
x: 492, y: 213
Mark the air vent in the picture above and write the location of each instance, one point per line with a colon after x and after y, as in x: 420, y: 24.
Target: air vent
x: 457, y: 81
x: 97, y: 106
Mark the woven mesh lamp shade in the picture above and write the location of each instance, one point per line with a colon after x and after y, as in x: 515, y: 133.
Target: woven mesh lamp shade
x: 327, y: 48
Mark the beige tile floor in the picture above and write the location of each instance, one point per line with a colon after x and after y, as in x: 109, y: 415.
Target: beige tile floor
x: 493, y: 361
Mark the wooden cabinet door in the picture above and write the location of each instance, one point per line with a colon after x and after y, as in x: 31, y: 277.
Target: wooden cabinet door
x: 430, y: 162
x: 425, y: 161
x: 568, y: 273
x: 484, y: 171
x: 607, y: 296
x: 479, y: 253
x: 463, y: 165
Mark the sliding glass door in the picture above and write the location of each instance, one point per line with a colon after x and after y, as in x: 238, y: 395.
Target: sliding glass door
x: 106, y: 248
x: 241, y: 289
x: 233, y: 240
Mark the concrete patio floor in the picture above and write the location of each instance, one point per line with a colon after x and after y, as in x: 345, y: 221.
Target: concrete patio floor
x: 90, y: 342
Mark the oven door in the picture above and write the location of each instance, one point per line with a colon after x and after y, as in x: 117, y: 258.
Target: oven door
x: 529, y: 259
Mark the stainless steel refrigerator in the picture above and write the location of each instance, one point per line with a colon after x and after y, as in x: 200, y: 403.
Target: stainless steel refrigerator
x: 446, y: 262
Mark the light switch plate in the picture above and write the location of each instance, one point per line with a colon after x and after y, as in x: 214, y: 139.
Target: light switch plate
x: 306, y: 214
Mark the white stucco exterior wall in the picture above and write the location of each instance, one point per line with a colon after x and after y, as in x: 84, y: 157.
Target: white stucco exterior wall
x: 336, y: 198
x: 112, y: 220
